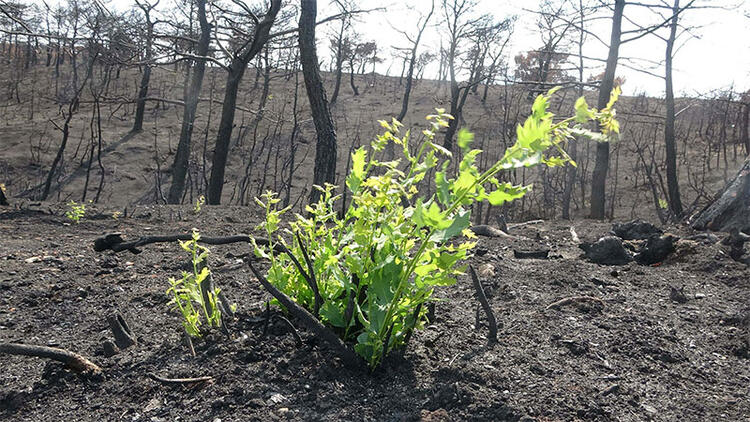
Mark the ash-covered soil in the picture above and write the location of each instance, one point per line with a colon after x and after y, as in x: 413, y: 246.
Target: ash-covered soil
x: 638, y: 355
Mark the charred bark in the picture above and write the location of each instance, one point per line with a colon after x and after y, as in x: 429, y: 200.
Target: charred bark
x: 325, y: 150
x: 673, y: 188
x: 236, y: 71
x: 180, y: 167
x: 731, y: 209
x: 601, y: 167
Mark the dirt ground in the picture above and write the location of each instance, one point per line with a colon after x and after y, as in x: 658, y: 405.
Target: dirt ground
x: 640, y: 356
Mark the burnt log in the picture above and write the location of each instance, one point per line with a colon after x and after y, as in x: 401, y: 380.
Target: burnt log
x: 731, y: 209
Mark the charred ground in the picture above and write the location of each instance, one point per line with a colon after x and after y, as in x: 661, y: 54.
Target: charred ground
x: 640, y: 356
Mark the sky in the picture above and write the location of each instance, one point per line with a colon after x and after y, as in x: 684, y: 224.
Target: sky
x: 714, y: 55
x: 717, y: 56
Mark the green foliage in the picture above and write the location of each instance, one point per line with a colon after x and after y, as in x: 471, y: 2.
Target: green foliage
x: 199, y: 204
x: 75, y: 211
x: 378, y: 265
x: 187, y: 293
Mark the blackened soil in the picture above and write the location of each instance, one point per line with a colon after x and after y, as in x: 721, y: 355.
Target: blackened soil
x: 638, y: 357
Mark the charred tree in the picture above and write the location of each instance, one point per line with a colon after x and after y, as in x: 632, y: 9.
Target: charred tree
x: 180, y: 167
x: 235, y: 71
x: 140, y: 108
x: 422, y: 25
x: 325, y: 150
x: 339, y: 56
x: 731, y: 209
x: 601, y: 167
x: 673, y: 188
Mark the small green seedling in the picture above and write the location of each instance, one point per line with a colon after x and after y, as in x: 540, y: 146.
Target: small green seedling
x: 199, y: 204
x: 75, y: 211
x: 195, y: 301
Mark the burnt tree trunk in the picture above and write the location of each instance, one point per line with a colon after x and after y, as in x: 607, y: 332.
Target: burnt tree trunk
x: 140, y: 108
x: 599, y: 175
x: 236, y: 70
x: 355, y: 90
x: 410, y: 73
x: 339, y: 61
x: 731, y: 210
x: 226, y: 123
x: 673, y: 188
x: 180, y: 167
x: 745, y: 124
x: 325, y: 149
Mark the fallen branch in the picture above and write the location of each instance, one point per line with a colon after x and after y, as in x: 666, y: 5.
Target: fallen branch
x: 525, y: 223
x: 574, y: 299
x: 72, y: 360
x: 195, y: 380
x: 489, y: 231
x: 492, y: 336
x: 114, y: 242
x: 345, y: 352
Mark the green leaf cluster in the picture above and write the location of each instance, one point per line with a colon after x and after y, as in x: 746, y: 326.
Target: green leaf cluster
x: 187, y: 292
x: 378, y: 264
x: 75, y: 211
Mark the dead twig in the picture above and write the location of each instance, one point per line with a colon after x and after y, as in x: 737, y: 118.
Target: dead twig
x: 72, y: 360
x: 196, y: 380
x: 525, y: 223
x: 574, y: 299
x: 318, y: 300
x: 489, y: 231
x: 292, y: 328
x: 492, y: 337
x: 346, y: 353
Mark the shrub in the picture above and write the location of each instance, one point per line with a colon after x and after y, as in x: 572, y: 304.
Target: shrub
x: 374, y: 268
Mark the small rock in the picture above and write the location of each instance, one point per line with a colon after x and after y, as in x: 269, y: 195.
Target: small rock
x: 276, y: 398
x: 439, y: 415
x: 487, y: 271
x: 650, y: 409
x: 152, y: 404
x: 256, y: 403
x: 700, y: 295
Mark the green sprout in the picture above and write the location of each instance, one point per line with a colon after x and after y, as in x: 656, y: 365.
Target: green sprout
x: 199, y: 204
x: 75, y: 211
x: 195, y: 299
